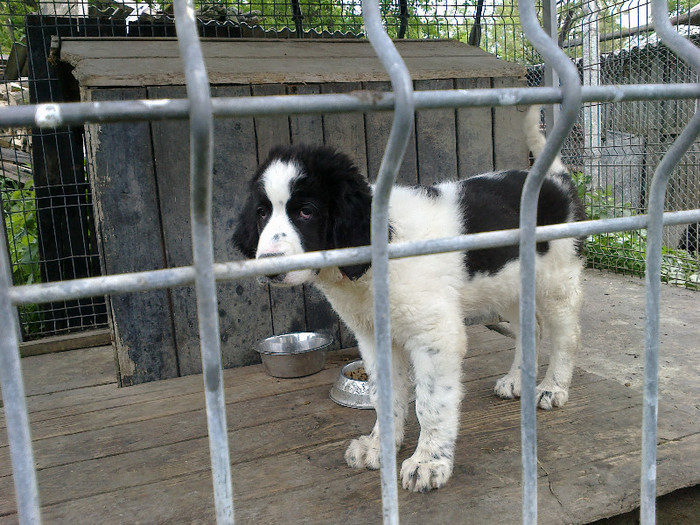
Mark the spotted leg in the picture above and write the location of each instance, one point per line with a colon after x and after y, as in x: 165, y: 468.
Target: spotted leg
x: 437, y: 367
x: 363, y: 452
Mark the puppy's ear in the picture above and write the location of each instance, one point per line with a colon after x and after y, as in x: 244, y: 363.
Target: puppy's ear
x: 246, y: 235
x: 351, y: 219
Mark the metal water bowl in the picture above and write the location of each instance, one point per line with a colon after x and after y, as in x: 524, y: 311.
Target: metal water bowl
x: 294, y: 355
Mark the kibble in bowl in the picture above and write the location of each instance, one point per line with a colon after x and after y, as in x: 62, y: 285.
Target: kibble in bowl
x: 358, y: 374
x: 351, y: 388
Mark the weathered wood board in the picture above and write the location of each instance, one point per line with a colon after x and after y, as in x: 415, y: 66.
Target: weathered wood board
x: 141, y: 453
x: 445, y: 144
x: 129, y: 233
x: 156, y: 62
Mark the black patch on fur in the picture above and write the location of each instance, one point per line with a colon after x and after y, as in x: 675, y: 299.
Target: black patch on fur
x: 429, y: 191
x: 332, y: 185
x: 492, y: 202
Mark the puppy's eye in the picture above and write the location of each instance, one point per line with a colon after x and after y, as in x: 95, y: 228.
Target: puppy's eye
x: 262, y: 212
x: 306, y: 212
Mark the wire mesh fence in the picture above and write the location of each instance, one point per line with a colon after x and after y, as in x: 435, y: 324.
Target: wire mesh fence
x: 613, y: 149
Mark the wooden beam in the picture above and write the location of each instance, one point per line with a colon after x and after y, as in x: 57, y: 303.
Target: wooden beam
x: 62, y: 343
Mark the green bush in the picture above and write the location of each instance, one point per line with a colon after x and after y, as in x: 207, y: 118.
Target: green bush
x: 19, y: 206
x: 19, y: 211
x: 625, y: 252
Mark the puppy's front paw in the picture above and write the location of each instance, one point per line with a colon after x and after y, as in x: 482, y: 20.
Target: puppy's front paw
x: 422, y: 476
x: 508, y: 387
x: 363, y: 452
x: 550, y: 396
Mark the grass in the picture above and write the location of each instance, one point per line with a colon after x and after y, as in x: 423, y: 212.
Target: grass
x: 625, y: 252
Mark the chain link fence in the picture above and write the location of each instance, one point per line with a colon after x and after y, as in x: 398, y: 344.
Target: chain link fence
x: 613, y: 150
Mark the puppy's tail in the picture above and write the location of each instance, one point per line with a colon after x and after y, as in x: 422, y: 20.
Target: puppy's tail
x: 536, y: 140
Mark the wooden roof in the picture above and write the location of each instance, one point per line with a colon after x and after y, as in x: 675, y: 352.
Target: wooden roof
x: 113, y: 62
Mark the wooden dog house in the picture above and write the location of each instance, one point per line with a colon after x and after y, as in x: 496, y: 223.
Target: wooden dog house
x: 140, y: 170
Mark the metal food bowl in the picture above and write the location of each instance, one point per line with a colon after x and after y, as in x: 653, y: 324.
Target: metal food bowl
x: 352, y: 393
x: 294, y: 355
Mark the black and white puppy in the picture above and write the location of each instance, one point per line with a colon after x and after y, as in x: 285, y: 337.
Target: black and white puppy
x: 314, y: 198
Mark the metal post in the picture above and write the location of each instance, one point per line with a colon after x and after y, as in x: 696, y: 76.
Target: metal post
x: 571, y: 102
x: 17, y: 419
x: 550, y: 21
x: 591, y: 77
x: 391, y: 162
x: 688, y: 52
x: 201, y: 160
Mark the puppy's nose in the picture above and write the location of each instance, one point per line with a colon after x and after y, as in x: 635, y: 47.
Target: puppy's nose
x: 268, y: 278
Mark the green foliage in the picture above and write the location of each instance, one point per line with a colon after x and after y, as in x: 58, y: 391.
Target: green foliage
x: 12, y: 22
x: 598, y: 202
x: 625, y: 252
x: 678, y: 7
x: 19, y: 209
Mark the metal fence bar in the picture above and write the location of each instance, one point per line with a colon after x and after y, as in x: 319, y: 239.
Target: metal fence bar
x: 182, y: 276
x: 16, y: 417
x: 402, y: 124
x: 690, y: 53
x: 79, y: 113
x: 201, y: 162
x: 651, y: 326
x: 567, y: 115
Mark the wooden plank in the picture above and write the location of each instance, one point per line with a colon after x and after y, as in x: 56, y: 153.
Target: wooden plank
x: 492, y: 432
x: 288, y: 441
x: 244, y: 309
x: 474, y: 133
x: 168, y: 71
x: 287, y: 304
x: 308, y: 129
x: 136, y: 62
x: 510, y: 150
x: 126, y: 203
x: 436, y: 138
x: 147, y: 402
x: 353, y: 496
x: 80, y: 368
x: 378, y: 127
x: 135, y: 48
x: 62, y: 404
x: 62, y: 343
x: 346, y: 132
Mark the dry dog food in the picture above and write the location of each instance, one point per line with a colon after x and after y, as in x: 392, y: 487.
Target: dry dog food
x: 358, y: 374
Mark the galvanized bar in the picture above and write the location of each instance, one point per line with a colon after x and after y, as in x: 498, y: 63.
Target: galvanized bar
x: 78, y: 113
x: 201, y: 161
x: 402, y: 88
x: 690, y: 54
x: 16, y: 417
x: 182, y: 276
x: 651, y: 325
x: 571, y: 102
x: 550, y: 21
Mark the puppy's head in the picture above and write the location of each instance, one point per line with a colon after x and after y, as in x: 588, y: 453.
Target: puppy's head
x: 304, y: 199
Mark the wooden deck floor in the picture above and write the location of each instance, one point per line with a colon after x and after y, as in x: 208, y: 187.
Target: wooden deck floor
x: 139, y: 454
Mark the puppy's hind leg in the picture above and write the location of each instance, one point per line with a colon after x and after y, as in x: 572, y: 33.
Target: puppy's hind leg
x: 363, y: 452
x: 562, y: 323
x: 508, y: 387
